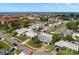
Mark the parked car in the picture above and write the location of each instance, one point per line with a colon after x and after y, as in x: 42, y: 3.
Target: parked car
x: 12, y: 49
x: 15, y: 44
x: 30, y: 53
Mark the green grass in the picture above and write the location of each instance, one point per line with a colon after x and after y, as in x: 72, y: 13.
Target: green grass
x: 9, y: 43
x: 67, y: 52
x: 17, y: 51
x: 35, y: 45
x: 7, y: 33
x: 3, y: 46
x: 21, y: 37
x: 50, y: 47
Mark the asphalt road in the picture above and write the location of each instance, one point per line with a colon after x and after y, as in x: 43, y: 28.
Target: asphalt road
x: 23, y: 48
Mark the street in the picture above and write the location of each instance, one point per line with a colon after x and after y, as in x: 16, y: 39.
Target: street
x: 23, y: 48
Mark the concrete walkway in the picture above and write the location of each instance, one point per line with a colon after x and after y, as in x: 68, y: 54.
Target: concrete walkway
x: 27, y: 40
x: 7, y: 43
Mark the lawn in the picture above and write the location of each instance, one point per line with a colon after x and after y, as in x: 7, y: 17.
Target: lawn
x: 9, y: 43
x: 3, y: 46
x: 7, y: 33
x: 49, y: 48
x: 21, y: 37
x: 17, y: 51
x: 33, y: 44
x: 67, y: 52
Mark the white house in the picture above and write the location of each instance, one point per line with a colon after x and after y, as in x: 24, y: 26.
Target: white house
x: 21, y: 31
x: 37, y: 26
x: 76, y: 34
x: 31, y: 33
x: 27, y: 32
x: 68, y: 44
x: 45, y: 38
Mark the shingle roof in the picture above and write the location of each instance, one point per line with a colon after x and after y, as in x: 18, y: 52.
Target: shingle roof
x: 45, y: 37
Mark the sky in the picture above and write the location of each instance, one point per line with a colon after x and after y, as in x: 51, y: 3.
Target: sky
x: 39, y: 7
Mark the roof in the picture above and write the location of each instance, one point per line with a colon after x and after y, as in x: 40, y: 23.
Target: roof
x: 45, y: 37
x: 28, y: 32
x: 22, y: 30
x: 31, y: 34
x: 37, y: 26
x: 68, y: 44
x: 64, y: 30
x: 76, y: 34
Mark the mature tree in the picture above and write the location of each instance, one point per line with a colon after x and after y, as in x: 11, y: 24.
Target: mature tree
x: 14, y: 33
x: 77, y: 22
x: 55, y: 38
x: 44, y: 19
x: 72, y: 26
x: 25, y: 23
x: 35, y: 40
x: 14, y: 25
x: 68, y: 37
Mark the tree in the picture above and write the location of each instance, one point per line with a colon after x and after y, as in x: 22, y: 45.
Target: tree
x: 72, y: 26
x: 55, y: 38
x: 14, y: 25
x: 77, y: 22
x: 25, y: 23
x: 44, y: 19
x: 14, y: 33
x: 35, y: 40
x: 68, y: 37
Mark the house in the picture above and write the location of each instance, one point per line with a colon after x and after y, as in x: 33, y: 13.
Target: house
x: 64, y: 30
x: 21, y: 31
x: 71, y: 45
x: 45, y: 38
x: 28, y: 32
x: 37, y: 26
x: 75, y: 35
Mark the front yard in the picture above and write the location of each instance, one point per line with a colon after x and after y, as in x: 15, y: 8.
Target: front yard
x: 49, y: 48
x: 17, y: 51
x: 34, y: 44
x: 3, y: 46
x: 8, y: 43
x: 21, y: 37
x: 67, y: 52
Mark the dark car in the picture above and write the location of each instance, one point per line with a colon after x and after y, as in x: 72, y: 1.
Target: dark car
x: 57, y: 48
x: 15, y: 44
x: 12, y: 49
x: 0, y: 38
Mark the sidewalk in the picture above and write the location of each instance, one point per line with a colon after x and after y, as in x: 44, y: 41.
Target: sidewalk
x: 25, y: 41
